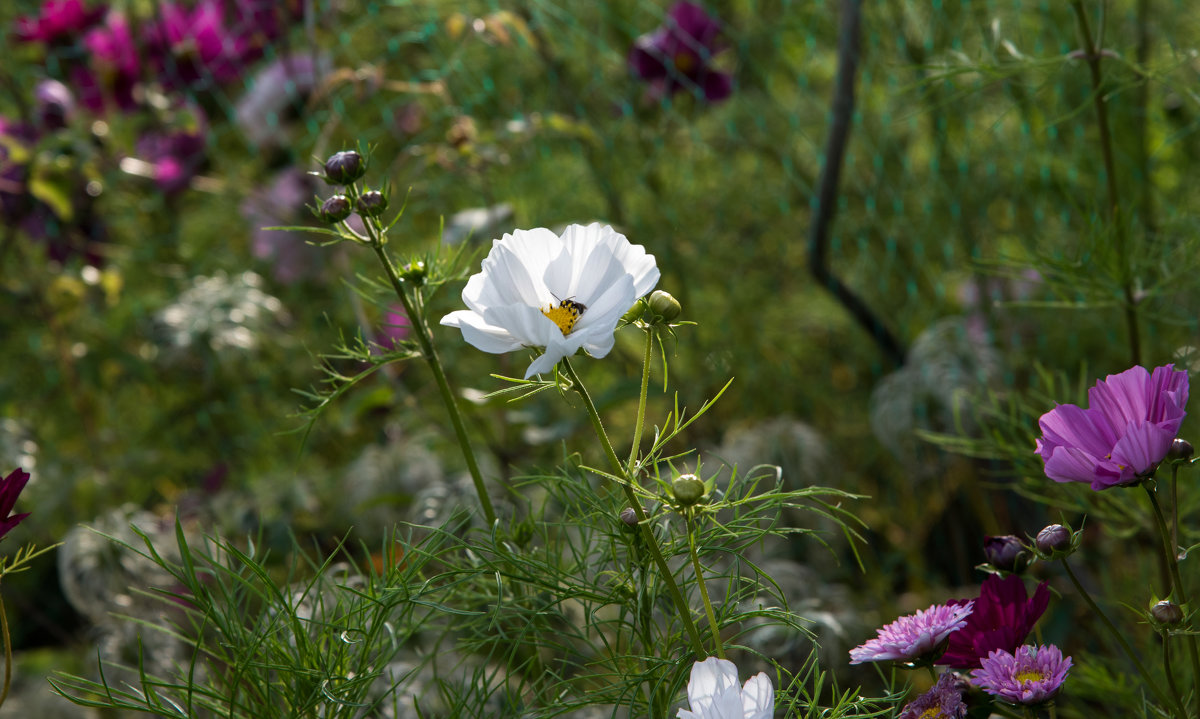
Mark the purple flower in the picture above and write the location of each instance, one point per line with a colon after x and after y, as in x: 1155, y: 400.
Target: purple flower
x: 59, y: 20
x: 943, y: 701
x: 913, y: 638
x: 173, y: 157
x: 1127, y: 430
x: 283, y: 202
x: 678, y: 55
x: 10, y: 488
x: 1030, y: 676
x: 282, y: 85
x: 1003, y: 616
x: 395, y: 327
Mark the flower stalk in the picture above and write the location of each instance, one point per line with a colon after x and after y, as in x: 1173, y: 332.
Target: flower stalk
x: 425, y: 340
x: 642, y: 396
x: 1176, y: 706
x: 1180, y: 593
x: 708, y: 608
x: 619, y: 469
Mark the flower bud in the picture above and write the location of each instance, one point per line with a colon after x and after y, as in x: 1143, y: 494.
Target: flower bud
x: 1055, y: 541
x: 371, y: 203
x: 688, y: 489
x: 1181, y: 451
x: 633, y: 314
x: 664, y: 305
x: 414, y: 272
x: 344, y: 167
x: 1167, y: 613
x: 1006, y: 553
x: 335, y: 209
x: 629, y: 517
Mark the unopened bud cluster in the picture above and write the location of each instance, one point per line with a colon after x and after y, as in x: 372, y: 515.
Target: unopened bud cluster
x: 344, y: 169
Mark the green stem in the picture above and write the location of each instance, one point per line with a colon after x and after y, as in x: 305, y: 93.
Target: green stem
x: 932, y: 674
x: 685, y: 612
x: 1137, y: 663
x: 641, y: 413
x: 1092, y: 54
x: 1166, y: 644
x: 708, y: 610
x: 1181, y: 596
x: 425, y: 339
x: 7, y: 653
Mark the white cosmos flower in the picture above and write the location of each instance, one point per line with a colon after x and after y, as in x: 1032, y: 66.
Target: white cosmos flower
x: 713, y: 693
x: 556, y: 293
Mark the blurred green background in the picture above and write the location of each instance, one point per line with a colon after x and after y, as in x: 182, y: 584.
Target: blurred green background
x: 972, y: 219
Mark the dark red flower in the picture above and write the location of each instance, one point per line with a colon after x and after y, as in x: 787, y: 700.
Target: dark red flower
x: 10, y: 487
x: 194, y: 48
x: 678, y: 55
x: 1003, y: 617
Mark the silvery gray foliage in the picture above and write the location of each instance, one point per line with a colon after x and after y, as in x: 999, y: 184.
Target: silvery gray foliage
x: 827, y: 610
x: 949, y: 364
x: 437, y: 504
x: 17, y: 447
x: 477, y: 222
x: 798, y: 449
x: 374, y: 485
x: 221, y: 312
x: 111, y: 584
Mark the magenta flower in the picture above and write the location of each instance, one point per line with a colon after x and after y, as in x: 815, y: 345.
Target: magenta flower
x: 172, y: 157
x: 943, y: 701
x: 1002, y: 618
x: 194, y: 48
x: 678, y: 55
x: 914, y: 638
x: 58, y: 20
x: 1132, y: 419
x: 1030, y: 676
x: 10, y: 487
x: 395, y: 327
x: 112, y: 68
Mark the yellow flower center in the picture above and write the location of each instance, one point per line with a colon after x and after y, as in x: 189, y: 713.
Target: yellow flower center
x: 685, y: 62
x: 1029, y: 675
x: 931, y: 713
x: 565, y: 315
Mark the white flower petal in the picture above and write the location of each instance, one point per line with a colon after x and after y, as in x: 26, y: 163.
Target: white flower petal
x: 480, y: 335
x: 526, y: 323
x: 709, y: 678
x: 758, y: 697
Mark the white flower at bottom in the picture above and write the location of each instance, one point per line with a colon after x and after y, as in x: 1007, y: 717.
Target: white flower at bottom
x: 556, y: 293
x: 713, y: 693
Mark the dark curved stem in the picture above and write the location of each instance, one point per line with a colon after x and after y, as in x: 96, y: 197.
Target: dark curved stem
x: 827, y: 189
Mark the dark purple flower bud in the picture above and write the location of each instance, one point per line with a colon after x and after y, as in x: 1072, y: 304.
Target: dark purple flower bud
x: 335, y: 209
x: 1006, y: 553
x: 1181, y: 450
x: 371, y: 203
x: 10, y: 488
x: 1055, y: 541
x: 688, y: 489
x: 629, y: 517
x: 664, y: 305
x: 344, y: 167
x: 1167, y: 613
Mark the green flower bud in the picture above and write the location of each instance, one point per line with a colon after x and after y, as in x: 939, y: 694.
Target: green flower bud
x: 1167, y: 613
x: 688, y: 489
x: 414, y: 272
x: 633, y: 314
x: 371, y: 203
x: 335, y: 209
x: 664, y: 305
x: 345, y: 167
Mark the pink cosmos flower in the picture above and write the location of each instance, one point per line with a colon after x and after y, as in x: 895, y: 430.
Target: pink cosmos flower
x: 1003, y: 617
x: 1031, y: 675
x: 914, y: 638
x: 1132, y: 419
